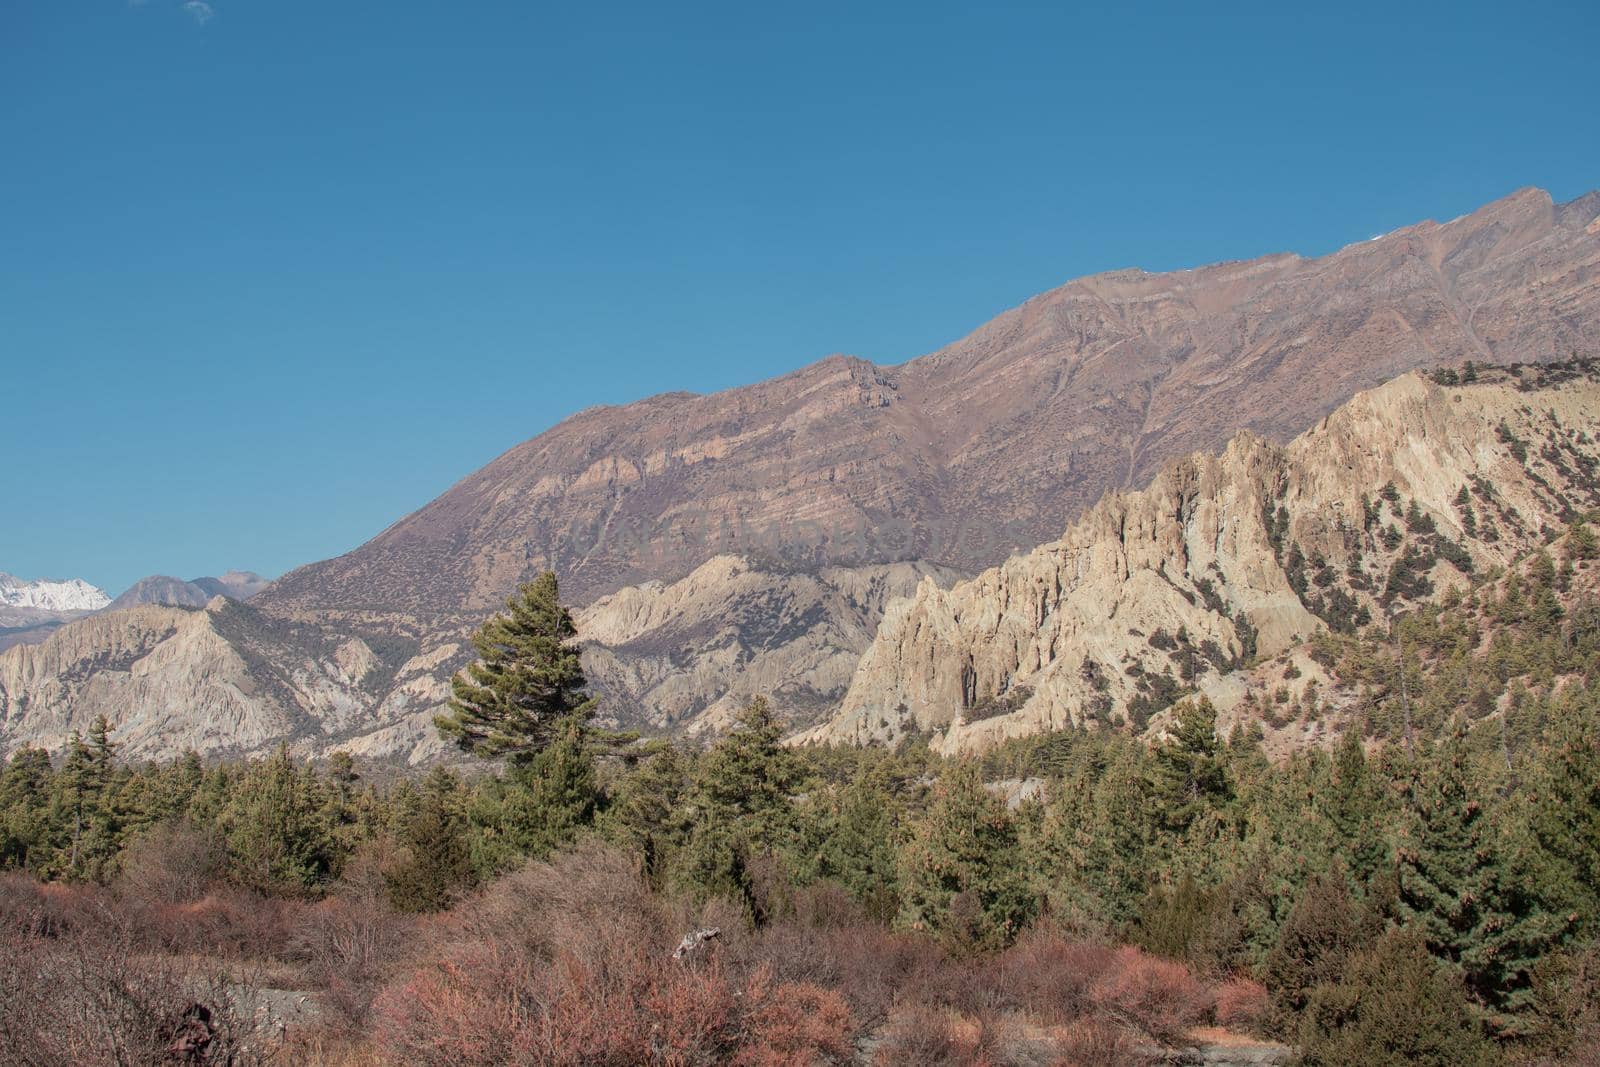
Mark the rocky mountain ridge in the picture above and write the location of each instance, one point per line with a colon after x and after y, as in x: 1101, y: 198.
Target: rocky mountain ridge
x: 990, y: 445
x: 841, y: 476
x: 1404, y: 491
x: 29, y: 625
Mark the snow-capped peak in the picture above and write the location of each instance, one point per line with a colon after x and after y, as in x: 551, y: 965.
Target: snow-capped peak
x: 72, y: 594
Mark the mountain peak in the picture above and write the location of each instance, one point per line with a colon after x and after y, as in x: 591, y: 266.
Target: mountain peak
x: 51, y: 594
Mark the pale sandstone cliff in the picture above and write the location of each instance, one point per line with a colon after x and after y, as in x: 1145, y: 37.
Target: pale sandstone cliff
x: 695, y: 651
x: 1174, y: 581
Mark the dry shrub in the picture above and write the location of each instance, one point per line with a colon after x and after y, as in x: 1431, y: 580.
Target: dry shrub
x: 466, y: 1007
x: 921, y: 1034
x: 229, y: 922
x: 870, y: 966
x: 1051, y: 978
x: 794, y: 1024
x: 318, y: 1046
x: 87, y: 995
x: 32, y: 908
x: 480, y: 1008
x: 827, y: 906
x: 581, y: 902
x: 1095, y: 1043
x: 1242, y: 1004
x: 1159, y: 997
x: 961, y: 986
x: 350, y: 942
x: 171, y: 863
x: 570, y: 962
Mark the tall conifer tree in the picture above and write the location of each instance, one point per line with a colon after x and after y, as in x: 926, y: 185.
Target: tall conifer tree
x: 526, y: 681
x: 1454, y: 889
x: 962, y: 875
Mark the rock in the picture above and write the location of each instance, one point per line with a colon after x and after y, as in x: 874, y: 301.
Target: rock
x: 1185, y: 577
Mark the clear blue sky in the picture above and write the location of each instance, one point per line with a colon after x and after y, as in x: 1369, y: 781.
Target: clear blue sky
x: 275, y: 272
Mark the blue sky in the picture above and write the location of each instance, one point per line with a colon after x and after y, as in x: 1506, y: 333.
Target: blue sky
x: 274, y: 272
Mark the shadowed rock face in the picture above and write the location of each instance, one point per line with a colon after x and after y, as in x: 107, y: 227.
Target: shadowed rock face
x: 990, y: 445
x: 813, y: 484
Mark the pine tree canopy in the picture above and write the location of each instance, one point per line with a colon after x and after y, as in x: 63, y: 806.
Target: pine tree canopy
x: 526, y: 681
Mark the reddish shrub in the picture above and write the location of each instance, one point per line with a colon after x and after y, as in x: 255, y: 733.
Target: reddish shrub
x: 921, y: 1036
x: 566, y: 903
x: 827, y: 906
x: 82, y: 992
x: 1096, y: 1043
x: 694, y: 1011
x: 577, y: 1015
x: 1158, y: 996
x: 1242, y: 1004
x: 349, y: 942
x: 32, y: 908
x: 1051, y: 978
x: 869, y: 965
x: 237, y: 923
x: 466, y: 1008
x: 796, y: 1025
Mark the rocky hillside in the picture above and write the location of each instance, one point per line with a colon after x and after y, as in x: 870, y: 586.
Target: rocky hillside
x: 229, y: 679
x: 990, y: 445
x: 817, y: 496
x: 695, y: 651
x: 1406, y: 490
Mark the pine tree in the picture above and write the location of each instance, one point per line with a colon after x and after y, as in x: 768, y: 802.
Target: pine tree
x: 276, y: 837
x: 646, y: 816
x: 541, y: 804
x: 1323, y: 931
x: 1583, y: 541
x: 1395, y: 1007
x: 526, y: 682
x: 857, y: 849
x: 435, y: 862
x: 25, y: 787
x: 1356, y: 808
x: 748, y: 777
x: 1191, y: 772
x: 961, y: 874
x: 1105, y: 830
x: 1563, y: 815
x: 1454, y: 889
x: 77, y: 799
x: 740, y: 805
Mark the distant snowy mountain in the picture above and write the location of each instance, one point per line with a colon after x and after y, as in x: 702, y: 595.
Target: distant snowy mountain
x: 47, y: 594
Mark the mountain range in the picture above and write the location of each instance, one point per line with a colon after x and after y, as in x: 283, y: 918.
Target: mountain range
x: 752, y: 540
x: 31, y: 611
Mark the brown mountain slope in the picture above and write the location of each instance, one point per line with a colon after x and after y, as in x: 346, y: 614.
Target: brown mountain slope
x: 809, y: 487
x: 992, y: 444
x: 1399, y: 494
